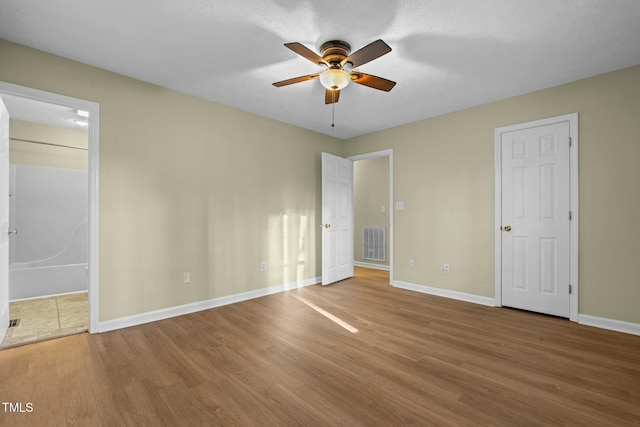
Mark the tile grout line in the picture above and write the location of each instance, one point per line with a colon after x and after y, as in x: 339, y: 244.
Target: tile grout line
x: 58, y: 314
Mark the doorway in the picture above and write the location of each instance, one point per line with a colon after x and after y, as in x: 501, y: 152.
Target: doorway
x: 336, y: 203
x: 382, y: 210
x: 536, y: 216
x: 91, y: 110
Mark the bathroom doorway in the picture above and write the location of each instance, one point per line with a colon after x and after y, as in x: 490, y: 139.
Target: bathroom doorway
x: 49, y: 281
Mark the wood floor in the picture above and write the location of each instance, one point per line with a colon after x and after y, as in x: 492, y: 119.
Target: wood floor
x: 286, y: 360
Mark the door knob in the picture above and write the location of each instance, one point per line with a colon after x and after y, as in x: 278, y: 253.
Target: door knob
x: 11, y: 231
x: 507, y: 228
x: 327, y: 226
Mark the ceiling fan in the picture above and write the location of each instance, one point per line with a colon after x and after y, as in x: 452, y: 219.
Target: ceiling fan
x: 339, y: 63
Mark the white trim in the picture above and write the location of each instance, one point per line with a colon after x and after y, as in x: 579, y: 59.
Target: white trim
x: 610, y: 324
x: 374, y: 155
x: 94, y: 197
x: 573, y: 165
x: 154, y: 316
x: 461, y: 296
x: 372, y: 265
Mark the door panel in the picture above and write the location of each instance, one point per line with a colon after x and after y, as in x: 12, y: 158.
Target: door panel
x: 535, y: 219
x: 337, y: 218
x: 4, y: 220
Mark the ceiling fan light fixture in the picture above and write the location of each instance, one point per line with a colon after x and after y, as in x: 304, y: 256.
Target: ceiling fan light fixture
x: 339, y: 65
x: 334, y: 78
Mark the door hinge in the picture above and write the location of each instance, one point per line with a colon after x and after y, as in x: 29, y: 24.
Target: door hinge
x: 570, y: 289
x: 570, y: 215
x: 570, y: 142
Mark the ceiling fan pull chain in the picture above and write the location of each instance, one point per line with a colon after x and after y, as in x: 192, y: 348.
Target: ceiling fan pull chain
x: 333, y: 117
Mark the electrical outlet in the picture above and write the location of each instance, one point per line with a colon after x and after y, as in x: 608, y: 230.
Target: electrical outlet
x: 411, y: 263
x: 186, y: 278
x: 263, y: 266
x: 446, y: 268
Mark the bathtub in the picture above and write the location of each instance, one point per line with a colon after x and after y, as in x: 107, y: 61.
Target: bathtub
x: 49, y: 253
x: 64, y: 272
x: 34, y: 282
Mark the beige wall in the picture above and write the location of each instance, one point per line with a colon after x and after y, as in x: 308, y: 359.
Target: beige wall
x: 371, y: 192
x: 25, y: 146
x: 188, y: 185
x: 444, y: 173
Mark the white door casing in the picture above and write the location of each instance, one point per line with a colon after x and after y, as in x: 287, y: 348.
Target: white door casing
x: 4, y: 220
x: 534, y: 215
x: 337, y: 218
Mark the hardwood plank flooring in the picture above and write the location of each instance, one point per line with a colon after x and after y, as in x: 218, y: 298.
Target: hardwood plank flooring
x: 415, y: 360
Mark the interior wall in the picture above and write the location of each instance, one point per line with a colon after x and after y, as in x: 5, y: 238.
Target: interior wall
x: 444, y: 173
x: 371, y: 194
x: 188, y: 185
x: 23, y: 151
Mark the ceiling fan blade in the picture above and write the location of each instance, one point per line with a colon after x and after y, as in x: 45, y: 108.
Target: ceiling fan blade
x: 373, y: 81
x: 368, y: 53
x: 331, y: 96
x: 296, y: 80
x: 307, y: 53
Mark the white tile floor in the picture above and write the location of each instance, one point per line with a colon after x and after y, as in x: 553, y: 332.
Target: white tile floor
x: 46, y: 318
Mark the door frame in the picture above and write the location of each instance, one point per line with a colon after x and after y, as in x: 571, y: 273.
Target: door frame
x: 93, y: 171
x: 374, y: 155
x: 574, y: 205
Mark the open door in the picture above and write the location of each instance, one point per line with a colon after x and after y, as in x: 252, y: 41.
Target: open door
x: 4, y: 220
x: 337, y: 218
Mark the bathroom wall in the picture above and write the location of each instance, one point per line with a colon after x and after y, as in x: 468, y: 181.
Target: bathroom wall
x: 49, y: 208
x: 24, y: 148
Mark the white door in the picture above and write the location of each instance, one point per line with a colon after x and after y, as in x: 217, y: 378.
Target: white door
x: 4, y: 220
x: 536, y: 203
x: 337, y: 218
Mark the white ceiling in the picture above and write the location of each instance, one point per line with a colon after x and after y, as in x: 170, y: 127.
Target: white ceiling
x: 447, y: 55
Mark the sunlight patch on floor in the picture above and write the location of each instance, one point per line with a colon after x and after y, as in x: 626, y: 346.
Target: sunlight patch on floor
x: 328, y: 315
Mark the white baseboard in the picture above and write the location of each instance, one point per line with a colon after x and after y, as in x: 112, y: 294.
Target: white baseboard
x: 153, y: 316
x: 445, y: 293
x: 610, y: 324
x: 372, y: 265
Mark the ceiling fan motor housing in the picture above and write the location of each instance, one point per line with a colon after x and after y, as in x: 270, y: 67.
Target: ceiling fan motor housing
x: 334, y: 52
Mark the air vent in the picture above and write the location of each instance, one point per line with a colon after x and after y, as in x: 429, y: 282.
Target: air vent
x: 373, y: 243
